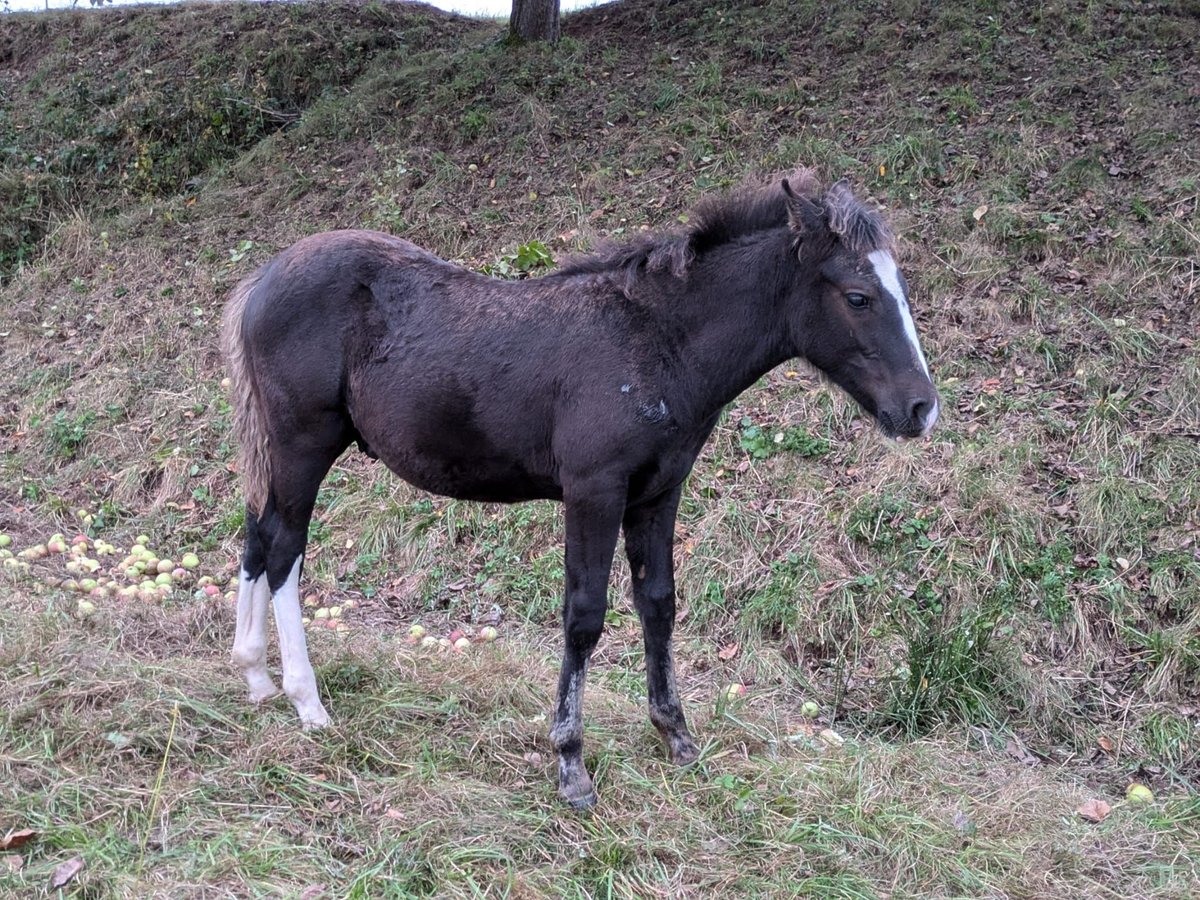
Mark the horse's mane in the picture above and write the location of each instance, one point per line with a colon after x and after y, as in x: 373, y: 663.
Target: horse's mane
x: 747, y: 210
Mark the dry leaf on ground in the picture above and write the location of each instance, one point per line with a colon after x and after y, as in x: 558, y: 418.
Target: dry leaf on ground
x: 17, y: 838
x: 1094, y: 810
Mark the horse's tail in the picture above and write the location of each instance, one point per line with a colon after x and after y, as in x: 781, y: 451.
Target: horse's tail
x: 249, y: 423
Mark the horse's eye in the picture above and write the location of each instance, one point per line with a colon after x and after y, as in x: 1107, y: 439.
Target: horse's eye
x: 857, y: 300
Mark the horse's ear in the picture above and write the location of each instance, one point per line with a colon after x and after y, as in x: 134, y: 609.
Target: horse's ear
x: 804, y: 213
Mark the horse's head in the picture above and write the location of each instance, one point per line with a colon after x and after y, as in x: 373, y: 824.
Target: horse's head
x: 850, y: 316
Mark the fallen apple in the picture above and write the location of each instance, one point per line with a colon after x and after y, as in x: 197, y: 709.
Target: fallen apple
x: 164, y: 578
x: 735, y: 690
x: 463, y: 643
x: 488, y: 633
x: 165, y: 565
x: 416, y: 632
x: 5, y: 540
x: 85, y: 608
x: 809, y: 709
x: 1139, y: 794
x: 429, y: 641
x: 189, y: 561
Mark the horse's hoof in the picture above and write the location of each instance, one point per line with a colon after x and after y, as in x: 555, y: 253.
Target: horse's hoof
x: 258, y: 698
x: 584, y: 803
x: 684, y: 753
x: 315, y: 721
x: 575, y: 787
x: 681, y: 747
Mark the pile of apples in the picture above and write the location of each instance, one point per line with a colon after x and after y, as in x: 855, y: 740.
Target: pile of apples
x: 458, y: 640
x: 96, y: 570
x: 318, y: 615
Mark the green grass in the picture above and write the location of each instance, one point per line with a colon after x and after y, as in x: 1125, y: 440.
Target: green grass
x: 1001, y: 622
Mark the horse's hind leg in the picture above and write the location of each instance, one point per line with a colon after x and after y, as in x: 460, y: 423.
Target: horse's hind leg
x: 649, y: 534
x: 275, y: 558
x: 250, y: 639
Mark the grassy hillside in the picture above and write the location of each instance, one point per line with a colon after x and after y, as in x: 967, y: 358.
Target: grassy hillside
x: 1000, y: 624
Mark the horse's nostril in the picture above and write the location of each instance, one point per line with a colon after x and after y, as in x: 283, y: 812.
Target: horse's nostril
x: 919, y: 410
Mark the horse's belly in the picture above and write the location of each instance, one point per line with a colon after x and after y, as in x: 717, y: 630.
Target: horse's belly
x: 474, y: 478
x: 468, y: 444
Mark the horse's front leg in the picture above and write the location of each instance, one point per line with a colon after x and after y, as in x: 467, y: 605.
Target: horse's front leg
x: 592, y: 523
x: 649, y: 537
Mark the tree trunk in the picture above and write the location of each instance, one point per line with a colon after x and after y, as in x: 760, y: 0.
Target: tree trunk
x: 534, y: 20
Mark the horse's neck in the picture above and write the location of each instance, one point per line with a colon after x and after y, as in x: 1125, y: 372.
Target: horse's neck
x: 737, y: 328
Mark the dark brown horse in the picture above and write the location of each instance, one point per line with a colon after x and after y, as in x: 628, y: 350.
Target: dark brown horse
x: 596, y: 385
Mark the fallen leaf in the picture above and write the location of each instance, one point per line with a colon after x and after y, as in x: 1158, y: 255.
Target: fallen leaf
x: 980, y: 212
x: 11, y: 863
x: 118, y: 740
x: 65, y: 872
x: 1094, y: 810
x: 963, y: 824
x: 393, y: 813
x: 313, y: 891
x: 1017, y: 751
x: 17, y: 838
x: 729, y: 651
x: 1105, y: 744
x: 832, y: 738
x: 533, y: 758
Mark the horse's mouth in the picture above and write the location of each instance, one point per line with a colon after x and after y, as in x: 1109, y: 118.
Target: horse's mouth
x: 907, y: 430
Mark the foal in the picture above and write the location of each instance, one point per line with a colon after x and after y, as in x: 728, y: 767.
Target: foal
x: 596, y: 385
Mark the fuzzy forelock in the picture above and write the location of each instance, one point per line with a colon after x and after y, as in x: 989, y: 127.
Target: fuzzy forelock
x: 860, y: 229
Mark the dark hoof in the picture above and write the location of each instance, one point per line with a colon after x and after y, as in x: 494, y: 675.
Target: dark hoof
x: 684, y: 753
x: 575, y: 785
x: 681, y: 747
x: 584, y: 803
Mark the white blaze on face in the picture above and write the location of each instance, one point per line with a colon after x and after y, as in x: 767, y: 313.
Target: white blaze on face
x: 889, y: 277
